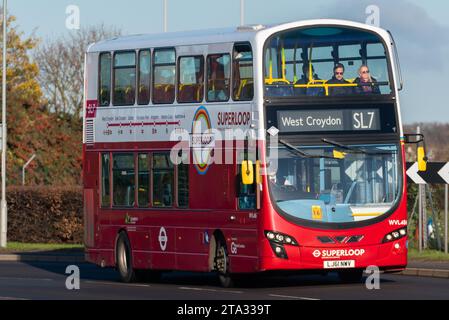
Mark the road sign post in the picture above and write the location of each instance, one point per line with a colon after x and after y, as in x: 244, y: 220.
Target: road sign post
x: 420, y: 218
x: 446, y: 196
x: 24, y: 168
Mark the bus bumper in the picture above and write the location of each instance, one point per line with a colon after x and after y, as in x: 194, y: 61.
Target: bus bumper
x: 387, y: 256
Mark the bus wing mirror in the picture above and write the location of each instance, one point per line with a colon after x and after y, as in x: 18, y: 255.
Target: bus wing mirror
x: 421, y: 156
x: 422, y: 159
x: 247, y: 172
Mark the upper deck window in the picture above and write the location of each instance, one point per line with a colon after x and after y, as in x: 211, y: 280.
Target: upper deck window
x: 243, y: 81
x: 143, y: 95
x: 124, y: 78
x: 218, y: 77
x: 164, y: 77
x: 191, y: 79
x: 326, y: 61
x: 105, y: 79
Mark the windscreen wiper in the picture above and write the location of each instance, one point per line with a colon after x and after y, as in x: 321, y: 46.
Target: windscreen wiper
x: 354, y: 149
x: 304, y: 154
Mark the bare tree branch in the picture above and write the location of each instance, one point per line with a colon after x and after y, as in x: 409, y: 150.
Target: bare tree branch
x: 61, y: 64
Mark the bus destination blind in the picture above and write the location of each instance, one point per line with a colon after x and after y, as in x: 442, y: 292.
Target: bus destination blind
x: 328, y: 120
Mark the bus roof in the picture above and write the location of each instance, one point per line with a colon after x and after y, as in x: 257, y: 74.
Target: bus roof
x: 211, y: 36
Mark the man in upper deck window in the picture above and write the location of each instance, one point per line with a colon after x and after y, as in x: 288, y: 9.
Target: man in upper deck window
x: 338, y: 79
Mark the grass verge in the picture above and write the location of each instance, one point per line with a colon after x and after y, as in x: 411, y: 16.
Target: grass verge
x: 35, y: 247
x: 429, y: 255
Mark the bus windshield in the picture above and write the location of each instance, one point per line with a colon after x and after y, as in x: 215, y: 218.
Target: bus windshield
x: 326, y: 62
x: 359, y: 183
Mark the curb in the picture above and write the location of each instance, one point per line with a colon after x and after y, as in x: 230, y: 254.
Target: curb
x: 432, y: 273
x: 41, y: 258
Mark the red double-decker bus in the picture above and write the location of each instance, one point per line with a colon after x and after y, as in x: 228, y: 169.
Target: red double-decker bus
x: 245, y: 150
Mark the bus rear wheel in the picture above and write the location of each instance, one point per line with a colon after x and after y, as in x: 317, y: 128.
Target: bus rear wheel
x: 124, y: 260
x: 222, y: 265
x: 351, y: 276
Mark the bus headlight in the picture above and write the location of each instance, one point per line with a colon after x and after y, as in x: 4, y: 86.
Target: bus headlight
x: 280, y: 238
x: 395, y: 235
x: 278, y: 241
x: 270, y: 236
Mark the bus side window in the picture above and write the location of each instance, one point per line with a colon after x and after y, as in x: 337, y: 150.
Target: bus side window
x: 183, y: 185
x: 164, y: 76
x: 243, y: 79
x: 105, y: 180
x: 191, y: 79
x: 218, y: 77
x: 163, y: 180
x: 143, y: 93
x: 124, y: 78
x: 143, y: 180
x: 105, y: 79
x: 123, y: 180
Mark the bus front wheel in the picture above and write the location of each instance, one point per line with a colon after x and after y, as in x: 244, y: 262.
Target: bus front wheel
x: 124, y: 259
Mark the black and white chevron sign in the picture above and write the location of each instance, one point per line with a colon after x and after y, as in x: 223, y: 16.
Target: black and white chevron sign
x: 436, y: 173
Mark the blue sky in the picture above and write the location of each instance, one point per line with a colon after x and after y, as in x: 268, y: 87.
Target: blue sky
x: 421, y: 29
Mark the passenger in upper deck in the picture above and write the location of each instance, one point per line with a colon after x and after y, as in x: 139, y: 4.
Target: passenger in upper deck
x: 338, y: 78
x: 367, y: 84
x: 305, y: 79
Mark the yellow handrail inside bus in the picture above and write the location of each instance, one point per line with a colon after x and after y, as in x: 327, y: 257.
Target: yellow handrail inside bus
x: 283, y: 64
x: 295, y: 67
x: 324, y: 84
x: 243, y: 84
x: 269, y: 81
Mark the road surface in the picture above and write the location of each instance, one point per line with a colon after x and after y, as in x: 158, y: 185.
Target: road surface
x: 47, y: 281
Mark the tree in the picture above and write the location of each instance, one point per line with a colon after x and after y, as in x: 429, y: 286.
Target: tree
x: 61, y: 64
x: 32, y: 128
x: 24, y: 98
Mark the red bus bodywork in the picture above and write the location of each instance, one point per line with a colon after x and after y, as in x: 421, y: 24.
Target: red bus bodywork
x: 189, y: 231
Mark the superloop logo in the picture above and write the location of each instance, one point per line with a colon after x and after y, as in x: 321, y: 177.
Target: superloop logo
x: 338, y: 253
x: 202, y: 140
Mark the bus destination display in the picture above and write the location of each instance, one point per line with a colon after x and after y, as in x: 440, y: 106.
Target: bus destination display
x: 328, y: 120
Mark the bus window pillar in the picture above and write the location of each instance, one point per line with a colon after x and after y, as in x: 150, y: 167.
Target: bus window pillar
x: 322, y: 175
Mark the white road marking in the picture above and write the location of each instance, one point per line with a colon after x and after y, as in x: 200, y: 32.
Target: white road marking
x: 11, y: 298
x: 117, y: 284
x: 209, y: 290
x: 29, y: 279
x: 292, y: 297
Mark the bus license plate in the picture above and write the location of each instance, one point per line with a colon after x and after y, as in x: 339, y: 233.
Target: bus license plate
x: 340, y: 264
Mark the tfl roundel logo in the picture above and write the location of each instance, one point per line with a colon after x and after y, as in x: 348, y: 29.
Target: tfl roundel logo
x: 317, y: 253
